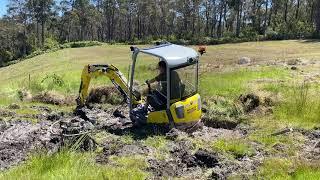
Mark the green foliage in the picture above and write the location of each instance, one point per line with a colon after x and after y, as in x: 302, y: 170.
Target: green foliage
x: 5, y: 56
x: 72, y: 165
x: 281, y: 168
x: 62, y: 83
x: 80, y: 44
x: 275, y: 168
x: 158, y: 142
x: 238, y: 148
x: 50, y: 44
x: 307, y: 171
x: 301, y: 107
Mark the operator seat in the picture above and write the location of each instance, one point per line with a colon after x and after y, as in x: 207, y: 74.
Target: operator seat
x: 157, y: 100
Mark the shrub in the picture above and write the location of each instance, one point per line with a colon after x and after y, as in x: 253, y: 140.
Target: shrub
x: 5, y: 56
x: 50, y: 43
x: 79, y: 44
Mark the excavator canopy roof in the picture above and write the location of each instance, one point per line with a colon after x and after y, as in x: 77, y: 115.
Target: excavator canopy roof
x: 174, y: 55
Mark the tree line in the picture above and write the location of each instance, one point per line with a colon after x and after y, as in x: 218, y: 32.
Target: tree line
x: 33, y: 25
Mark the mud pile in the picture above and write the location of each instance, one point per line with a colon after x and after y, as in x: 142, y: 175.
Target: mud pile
x: 19, y: 138
x: 105, y: 94
x: 54, y: 98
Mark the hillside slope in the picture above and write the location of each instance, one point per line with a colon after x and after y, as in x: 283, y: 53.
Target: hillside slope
x: 261, y: 118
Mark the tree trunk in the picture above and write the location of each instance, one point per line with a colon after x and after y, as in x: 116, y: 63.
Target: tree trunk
x: 239, y: 12
x: 219, y: 30
x: 38, y: 34
x: 214, y: 18
x: 265, y: 17
x: 42, y: 33
x: 206, y: 31
x: 317, y: 17
x: 286, y: 11
x: 297, y: 10
x: 254, y: 13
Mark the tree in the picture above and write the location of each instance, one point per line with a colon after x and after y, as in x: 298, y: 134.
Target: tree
x: 317, y: 17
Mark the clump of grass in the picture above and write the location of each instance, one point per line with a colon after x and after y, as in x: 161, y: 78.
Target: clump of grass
x: 27, y: 111
x: 275, y: 168
x: 222, y: 109
x: 134, y: 162
x: 72, y: 165
x: 238, y: 148
x: 127, y: 139
x: 301, y: 107
x: 160, y: 144
x: 281, y: 168
x: 307, y: 171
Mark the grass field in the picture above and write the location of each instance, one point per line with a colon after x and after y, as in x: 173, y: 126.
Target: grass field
x: 295, y: 103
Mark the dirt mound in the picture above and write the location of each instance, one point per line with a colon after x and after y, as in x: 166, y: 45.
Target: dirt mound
x: 183, y: 162
x: 54, y: 98
x: 249, y: 101
x: 311, y: 148
x: 104, y: 94
x: 19, y: 138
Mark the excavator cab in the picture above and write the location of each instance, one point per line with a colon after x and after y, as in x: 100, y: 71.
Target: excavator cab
x: 181, y: 100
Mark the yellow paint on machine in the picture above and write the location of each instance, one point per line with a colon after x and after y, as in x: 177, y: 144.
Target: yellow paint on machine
x: 192, y: 109
x: 192, y: 112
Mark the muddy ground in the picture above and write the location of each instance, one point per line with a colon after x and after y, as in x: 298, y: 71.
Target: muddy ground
x: 19, y: 138
x: 183, y: 156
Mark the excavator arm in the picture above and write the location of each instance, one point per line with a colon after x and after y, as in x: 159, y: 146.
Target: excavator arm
x: 116, y: 77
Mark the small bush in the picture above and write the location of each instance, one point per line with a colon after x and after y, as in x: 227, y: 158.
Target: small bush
x: 52, y: 81
x: 5, y: 56
x: 272, y: 35
x: 50, y: 44
x: 80, y: 44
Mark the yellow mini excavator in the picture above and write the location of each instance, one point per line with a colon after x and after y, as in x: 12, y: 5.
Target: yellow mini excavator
x: 179, y: 102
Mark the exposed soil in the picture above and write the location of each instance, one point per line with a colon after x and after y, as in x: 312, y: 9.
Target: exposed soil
x: 311, y: 149
x: 104, y: 94
x: 54, y: 98
x: 56, y: 129
x: 19, y: 138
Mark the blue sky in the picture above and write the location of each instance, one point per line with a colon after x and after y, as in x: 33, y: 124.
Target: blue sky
x: 3, y: 7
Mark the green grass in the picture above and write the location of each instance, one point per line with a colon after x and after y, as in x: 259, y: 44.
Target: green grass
x: 275, y: 168
x: 71, y: 165
x: 301, y: 106
x: 238, y: 148
x: 236, y: 82
x: 307, y: 171
x: 281, y: 168
x: 68, y: 64
x: 160, y: 144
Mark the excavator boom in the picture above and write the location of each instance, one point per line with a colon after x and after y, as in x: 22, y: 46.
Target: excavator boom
x: 116, y: 77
